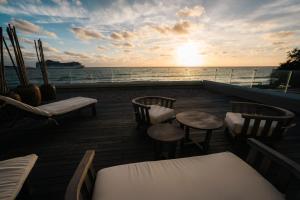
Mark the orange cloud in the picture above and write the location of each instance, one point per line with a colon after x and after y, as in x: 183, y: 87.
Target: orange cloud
x: 196, y: 11
x: 86, y: 34
x: 125, y: 35
x: 29, y: 27
x: 182, y: 27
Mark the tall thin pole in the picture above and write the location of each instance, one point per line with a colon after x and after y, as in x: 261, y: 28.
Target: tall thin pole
x: 3, y: 87
x: 11, y: 38
x: 11, y: 58
x: 288, y: 81
x: 253, y: 78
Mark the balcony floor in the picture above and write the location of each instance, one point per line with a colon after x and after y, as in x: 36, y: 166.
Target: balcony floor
x: 112, y: 134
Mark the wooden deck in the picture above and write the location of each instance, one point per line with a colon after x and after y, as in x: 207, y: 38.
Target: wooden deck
x: 112, y: 134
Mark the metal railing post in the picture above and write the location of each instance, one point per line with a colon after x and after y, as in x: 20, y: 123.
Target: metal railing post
x: 288, y: 81
x: 216, y: 71
x: 253, y: 78
x: 230, y: 77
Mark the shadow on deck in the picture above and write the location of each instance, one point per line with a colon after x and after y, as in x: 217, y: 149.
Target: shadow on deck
x: 112, y: 134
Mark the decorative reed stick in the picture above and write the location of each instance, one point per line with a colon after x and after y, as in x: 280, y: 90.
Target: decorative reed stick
x: 11, y: 31
x: 3, y: 86
x: 11, y: 58
x: 44, y: 68
x: 41, y: 60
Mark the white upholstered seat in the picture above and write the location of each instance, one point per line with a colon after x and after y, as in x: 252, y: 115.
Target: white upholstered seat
x: 68, y: 105
x: 235, y: 121
x: 160, y: 114
x: 13, y: 173
x: 212, y: 177
x: 52, y: 109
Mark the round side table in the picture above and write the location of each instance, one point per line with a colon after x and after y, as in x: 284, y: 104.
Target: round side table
x: 166, y: 134
x: 200, y: 121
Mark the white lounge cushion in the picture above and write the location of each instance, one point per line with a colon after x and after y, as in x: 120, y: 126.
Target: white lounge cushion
x: 68, y: 105
x: 13, y: 173
x: 160, y: 114
x: 235, y: 121
x: 212, y: 177
x: 25, y: 107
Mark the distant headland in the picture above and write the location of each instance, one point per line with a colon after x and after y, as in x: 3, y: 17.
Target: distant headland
x: 61, y: 65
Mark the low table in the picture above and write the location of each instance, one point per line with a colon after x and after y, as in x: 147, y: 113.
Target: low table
x: 200, y: 121
x: 166, y: 133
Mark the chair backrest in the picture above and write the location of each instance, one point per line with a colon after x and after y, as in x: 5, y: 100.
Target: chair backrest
x: 141, y: 106
x: 261, y: 120
x: 24, y: 107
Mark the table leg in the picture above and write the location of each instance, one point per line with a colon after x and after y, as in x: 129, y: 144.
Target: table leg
x: 157, y: 149
x: 207, y: 140
x: 187, y: 133
x: 172, y: 151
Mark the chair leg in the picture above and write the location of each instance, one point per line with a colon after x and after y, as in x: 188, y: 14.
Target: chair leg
x: 94, y: 110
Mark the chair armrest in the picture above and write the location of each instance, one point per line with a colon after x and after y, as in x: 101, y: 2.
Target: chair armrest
x: 263, y: 117
x: 84, y: 176
x: 278, y: 158
x: 141, y: 105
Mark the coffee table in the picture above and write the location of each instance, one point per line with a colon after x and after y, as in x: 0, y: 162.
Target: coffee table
x: 166, y: 134
x: 199, y: 121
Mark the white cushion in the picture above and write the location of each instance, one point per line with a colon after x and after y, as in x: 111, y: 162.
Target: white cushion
x: 13, y: 173
x: 212, y: 177
x: 160, y: 114
x: 68, y: 105
x: 235, y: 121
x: 25, y: 107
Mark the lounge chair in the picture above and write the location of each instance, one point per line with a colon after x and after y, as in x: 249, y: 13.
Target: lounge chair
x: 215, y: 176
x: 13, y: 175
x: 150, y: 110
x: 51, y: 110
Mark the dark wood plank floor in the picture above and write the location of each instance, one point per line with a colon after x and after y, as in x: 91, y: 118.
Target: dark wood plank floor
x: 112, y: 134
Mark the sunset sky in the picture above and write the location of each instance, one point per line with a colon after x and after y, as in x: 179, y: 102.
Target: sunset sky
x: 157, y: 33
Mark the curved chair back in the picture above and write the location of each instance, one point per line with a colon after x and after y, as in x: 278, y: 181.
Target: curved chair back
x: 141, y: 106
x: 265, y: 121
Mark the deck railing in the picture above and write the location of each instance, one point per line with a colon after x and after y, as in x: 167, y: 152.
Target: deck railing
x: 266, y: 78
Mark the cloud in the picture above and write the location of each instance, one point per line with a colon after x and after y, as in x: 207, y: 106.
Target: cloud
x: 196, y: 11
x: 86, y: 34
x: 279, y: 38
x: 31, y: 28
x: 181, y: 27
x: 281, y: 34
x: 50, y: 49
x: 101, y: 48
x: 3, y: 1
x: 125, y: 35
x: 124, y: 45
x: 77, y: 55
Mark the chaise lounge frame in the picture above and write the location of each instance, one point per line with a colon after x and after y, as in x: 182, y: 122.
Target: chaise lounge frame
x: 21, y: 113
x: 261, y: 157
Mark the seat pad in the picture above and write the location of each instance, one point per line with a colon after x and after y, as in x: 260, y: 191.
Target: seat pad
x: 235, y: 121
x: 160, y: 114
x: 214, y: 177
x: 68, y: 105
x: 13, y: 173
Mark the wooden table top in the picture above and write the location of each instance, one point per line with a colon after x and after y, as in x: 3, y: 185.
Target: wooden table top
x: 199, y: 120
x: 165, y: 132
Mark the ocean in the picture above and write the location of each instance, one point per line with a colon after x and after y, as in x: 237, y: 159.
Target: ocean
x: 245, y: 76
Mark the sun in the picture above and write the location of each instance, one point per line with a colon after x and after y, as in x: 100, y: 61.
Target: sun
x: 188, y: 55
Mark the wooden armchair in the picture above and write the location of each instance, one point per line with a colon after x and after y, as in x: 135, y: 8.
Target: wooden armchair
x: 152, y: 110
x: 257, y: 121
